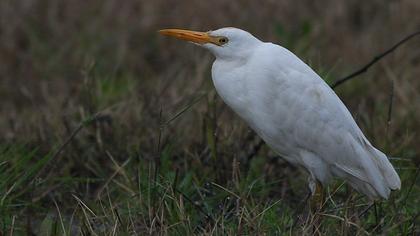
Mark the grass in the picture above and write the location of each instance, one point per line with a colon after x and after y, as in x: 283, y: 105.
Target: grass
x: 186, y: 196
x: 105, y: 132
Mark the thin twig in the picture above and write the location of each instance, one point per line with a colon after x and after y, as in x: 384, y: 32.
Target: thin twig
x: 365, y: 210
x: 391, y: 101
x: 373, y: 61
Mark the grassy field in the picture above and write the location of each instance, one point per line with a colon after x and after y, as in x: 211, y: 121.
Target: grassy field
x: 109, y: 129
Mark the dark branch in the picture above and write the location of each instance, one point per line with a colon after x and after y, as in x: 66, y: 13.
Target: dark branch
x: 373, y: 61
x: 391, y: 102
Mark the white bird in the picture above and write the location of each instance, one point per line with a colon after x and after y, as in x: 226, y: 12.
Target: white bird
x: 293, y: 110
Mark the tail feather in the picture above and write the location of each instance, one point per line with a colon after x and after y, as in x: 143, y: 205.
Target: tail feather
x: 377, y: 177
x: 387, y: 170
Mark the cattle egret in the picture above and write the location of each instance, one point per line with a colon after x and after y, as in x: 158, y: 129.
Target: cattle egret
x: 293, y: 110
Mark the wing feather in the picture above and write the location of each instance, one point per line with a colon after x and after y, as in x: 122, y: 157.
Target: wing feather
x: 323, y: 126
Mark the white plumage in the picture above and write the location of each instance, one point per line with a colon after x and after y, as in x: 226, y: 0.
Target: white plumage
x: 293, y: 110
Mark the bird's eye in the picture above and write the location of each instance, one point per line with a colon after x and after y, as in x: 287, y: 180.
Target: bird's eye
x: 223, y: 40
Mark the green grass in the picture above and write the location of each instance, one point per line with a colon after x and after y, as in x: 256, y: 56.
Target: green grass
x: 180, y: 195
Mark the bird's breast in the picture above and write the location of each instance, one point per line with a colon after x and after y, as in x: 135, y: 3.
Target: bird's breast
x: 256, y: 97
x: 230, y: 83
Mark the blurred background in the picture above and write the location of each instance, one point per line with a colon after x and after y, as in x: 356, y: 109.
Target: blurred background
x: 62, y: 62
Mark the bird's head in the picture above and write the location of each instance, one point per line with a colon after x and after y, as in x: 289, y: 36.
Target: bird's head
x: 225, y: 43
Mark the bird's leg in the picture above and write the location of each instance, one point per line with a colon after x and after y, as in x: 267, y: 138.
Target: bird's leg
x: 315, y: 205
x: 317, y: 199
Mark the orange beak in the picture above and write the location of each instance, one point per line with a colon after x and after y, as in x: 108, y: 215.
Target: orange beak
x: 189, y: 35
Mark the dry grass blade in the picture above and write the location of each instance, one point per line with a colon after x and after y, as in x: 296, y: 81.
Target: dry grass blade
x: 84, y: 206
x: 186, y: 108
x: 266, y: 209
x: 197, y: 206
x: 345, y: 221
x: 118, y: 169
x: 56, y: 154
x: 60, y: 217
x: 226, y: 190
x: 13, y: 226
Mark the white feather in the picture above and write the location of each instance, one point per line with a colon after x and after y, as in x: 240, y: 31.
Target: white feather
x: 297, y: 113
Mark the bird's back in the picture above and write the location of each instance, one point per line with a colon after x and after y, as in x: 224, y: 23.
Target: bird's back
x: 301, y: 118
